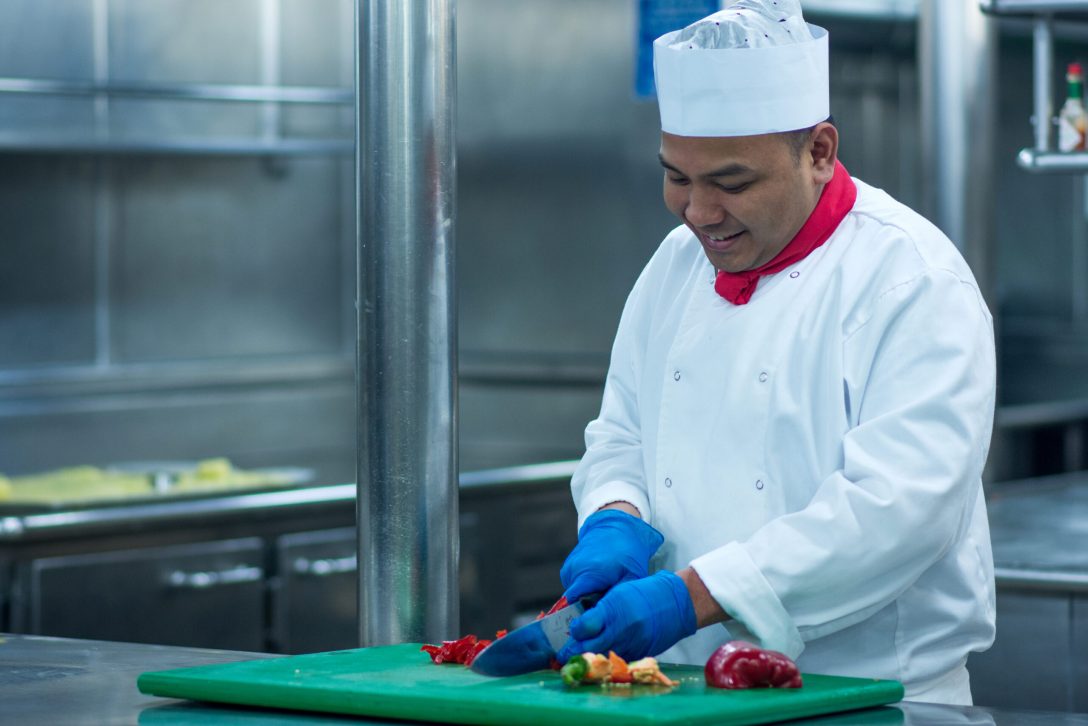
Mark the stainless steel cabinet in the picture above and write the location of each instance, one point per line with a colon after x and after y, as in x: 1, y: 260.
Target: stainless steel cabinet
x: 313, y: 594
x: 1033, y: 662
x: 268, y: 571
x: 512, y: 546
x: 1079, y: 647
x: 208, y: 594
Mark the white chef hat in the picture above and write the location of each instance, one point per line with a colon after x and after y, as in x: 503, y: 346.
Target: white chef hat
x: 754, y: 67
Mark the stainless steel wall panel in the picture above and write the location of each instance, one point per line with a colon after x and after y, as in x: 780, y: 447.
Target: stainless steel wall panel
x: 873, y: 103
x: 54, y: 117
x: 314, y: 122
x: 47, y: 280
x: 185, y: 41
x: 559, y: 184
x: 47, y: 39
x: 222, y: 258
x: 519, y: 84
x: 551, y: 239
x: 314, y: 49
x: 507, y: 425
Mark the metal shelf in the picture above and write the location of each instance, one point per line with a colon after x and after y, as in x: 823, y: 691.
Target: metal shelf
x: 1032, y: 7
x: 55, y: 143
x: 89, y: 143
x: 181, y: 91
x: 1053, y: 162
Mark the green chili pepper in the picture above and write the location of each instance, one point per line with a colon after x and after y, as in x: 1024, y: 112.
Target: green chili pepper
x: 574, y: 671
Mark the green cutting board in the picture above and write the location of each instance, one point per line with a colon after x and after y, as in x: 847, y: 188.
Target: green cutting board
x: 399, y: 681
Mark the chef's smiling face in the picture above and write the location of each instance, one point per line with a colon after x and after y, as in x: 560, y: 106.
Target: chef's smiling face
x: 746, y: 197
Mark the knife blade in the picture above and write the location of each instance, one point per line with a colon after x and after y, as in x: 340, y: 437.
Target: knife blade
x: 530, y: 647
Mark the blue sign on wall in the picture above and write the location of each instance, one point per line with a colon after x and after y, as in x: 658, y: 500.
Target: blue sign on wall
x: 655, y: 18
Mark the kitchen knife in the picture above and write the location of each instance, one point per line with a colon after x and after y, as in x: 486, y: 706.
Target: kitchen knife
x: 531, y: 647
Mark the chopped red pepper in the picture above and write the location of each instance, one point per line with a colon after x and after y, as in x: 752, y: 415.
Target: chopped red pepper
x: 463, y: 651
x: 620, y: 672
x: 739, y: 664
x: 559, y: 605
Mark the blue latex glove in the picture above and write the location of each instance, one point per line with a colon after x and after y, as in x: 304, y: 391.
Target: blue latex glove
x: 613, y: 547
x: 635, y: 619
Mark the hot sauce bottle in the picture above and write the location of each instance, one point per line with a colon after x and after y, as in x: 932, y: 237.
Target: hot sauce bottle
x: 1072, y: 120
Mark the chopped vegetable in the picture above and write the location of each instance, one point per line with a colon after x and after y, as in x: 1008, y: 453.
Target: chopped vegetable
x: 739, y: 664
x: 646, y: 670
x: 613, y: 670
x: 463, y: 650
x: 620, y: 671
x: 559, y: 605
x: 574, y: 671
x: 598, y: 668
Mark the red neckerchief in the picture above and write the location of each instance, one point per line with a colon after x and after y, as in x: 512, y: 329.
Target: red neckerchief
x: 836, y: 200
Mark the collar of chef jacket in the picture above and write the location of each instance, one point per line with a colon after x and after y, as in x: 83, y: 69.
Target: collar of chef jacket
x: 836, y: 201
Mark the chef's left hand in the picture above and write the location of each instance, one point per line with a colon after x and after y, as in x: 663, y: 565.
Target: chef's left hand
x: 635, y: 619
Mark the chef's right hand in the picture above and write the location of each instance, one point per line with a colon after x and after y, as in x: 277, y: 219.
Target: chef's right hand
x: 613, y: 547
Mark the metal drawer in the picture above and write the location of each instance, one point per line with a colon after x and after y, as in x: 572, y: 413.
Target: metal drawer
x: 314, y: 597
x: 203, y: 595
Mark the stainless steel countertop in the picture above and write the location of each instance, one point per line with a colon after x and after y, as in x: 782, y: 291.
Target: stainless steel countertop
x: 53, y: 681
x: 1038, y: 528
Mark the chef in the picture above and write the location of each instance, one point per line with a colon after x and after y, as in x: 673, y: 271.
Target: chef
x: 800, y: 396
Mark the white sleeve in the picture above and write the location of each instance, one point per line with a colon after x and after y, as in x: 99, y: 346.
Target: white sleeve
x: 920, y: 376
x: 612, y: 468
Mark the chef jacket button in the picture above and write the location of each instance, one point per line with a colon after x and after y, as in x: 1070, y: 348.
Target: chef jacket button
x: 668, y: 482
x: 795, y: 274
x: 676, y: 375
x: 763, y: 377
x: 759, y: 483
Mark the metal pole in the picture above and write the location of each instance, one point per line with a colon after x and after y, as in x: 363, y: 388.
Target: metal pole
x: 406, y: 355
x: 1042, y: 68
x: 957, y: 65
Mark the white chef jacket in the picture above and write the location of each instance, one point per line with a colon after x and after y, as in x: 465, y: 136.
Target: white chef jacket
x: 816, y: 454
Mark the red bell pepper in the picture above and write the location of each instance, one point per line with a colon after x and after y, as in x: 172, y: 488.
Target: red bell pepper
x: 739, y: 664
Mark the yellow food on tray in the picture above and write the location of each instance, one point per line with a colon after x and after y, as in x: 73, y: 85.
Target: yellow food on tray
x: 74, y: 483
x: 218, y: 473
x: 88, y: 483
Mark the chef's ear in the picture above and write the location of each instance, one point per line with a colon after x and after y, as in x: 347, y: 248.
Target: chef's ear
x: 824, y: 147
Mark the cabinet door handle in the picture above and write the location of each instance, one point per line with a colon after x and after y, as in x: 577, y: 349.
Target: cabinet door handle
x: 180, y: 580
x: 323, y: 567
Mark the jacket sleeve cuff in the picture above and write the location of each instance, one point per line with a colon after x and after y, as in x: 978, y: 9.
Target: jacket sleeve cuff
x: 744, y: 593
x: 613, y: 491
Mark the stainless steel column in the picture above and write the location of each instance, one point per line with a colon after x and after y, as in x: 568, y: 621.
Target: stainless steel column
x: 956, y: 61
x: 1042, y: 70
x: 407, y: 465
